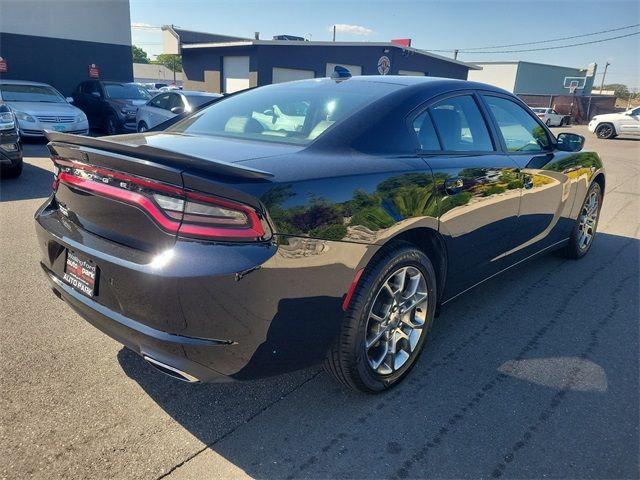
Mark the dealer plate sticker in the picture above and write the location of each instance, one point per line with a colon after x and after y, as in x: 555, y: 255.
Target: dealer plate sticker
x: 80, y: 274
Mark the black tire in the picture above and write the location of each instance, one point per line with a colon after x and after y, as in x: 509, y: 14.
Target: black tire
x: 563, y: 122
x: 142, y: 127
x: 348, y: 360
x: 576, y: 248
x: 112, y: 124
x: 548, y: 122
x: 605, y: 131
x: 13, y: 171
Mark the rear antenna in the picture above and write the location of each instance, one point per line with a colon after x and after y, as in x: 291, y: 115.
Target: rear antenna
x: 340, y: 73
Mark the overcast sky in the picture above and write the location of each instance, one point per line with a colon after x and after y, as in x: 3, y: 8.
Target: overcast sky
x: 430, y: 24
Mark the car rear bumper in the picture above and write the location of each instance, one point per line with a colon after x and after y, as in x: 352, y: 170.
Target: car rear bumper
x: 214, y: 311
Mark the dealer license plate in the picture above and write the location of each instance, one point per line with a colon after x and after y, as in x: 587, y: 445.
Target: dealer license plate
x: 81, y: 274
x: 59, y: 128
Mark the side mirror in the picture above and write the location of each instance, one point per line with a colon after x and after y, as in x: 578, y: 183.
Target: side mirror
x: 69, y: 99
x: 96, y: 94
x: 177, y: 110
x: 570, y: 142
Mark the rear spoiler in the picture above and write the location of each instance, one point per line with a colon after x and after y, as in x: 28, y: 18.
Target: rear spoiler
x: 158, y: 155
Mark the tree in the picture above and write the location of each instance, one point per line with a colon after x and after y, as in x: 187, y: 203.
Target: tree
x: 621, y: 91
x: 169, y: 60
x: 139, y: 55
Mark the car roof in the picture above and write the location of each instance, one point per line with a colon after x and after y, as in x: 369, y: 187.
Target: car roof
x: 195, y: 93
x: 24, y: 82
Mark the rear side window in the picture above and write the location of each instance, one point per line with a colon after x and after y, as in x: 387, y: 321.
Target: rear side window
x: 521, y: 132
x: 460, y: 125
x: 425, y: 131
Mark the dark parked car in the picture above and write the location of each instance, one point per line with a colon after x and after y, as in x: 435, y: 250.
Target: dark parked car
x: 110, y: 106
x: 10, y: 145
x: 309, y: 221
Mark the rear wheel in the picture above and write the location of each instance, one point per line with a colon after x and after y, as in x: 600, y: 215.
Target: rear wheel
x: 142, y: 127
x: 585, y: 228
x: 548, y: 122
x: 605, y: 130
x: 387, y: 323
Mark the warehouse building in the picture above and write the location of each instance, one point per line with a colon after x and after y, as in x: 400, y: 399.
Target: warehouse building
x: 218, y: 63
x: 64, y: 42
x: 528, y: 78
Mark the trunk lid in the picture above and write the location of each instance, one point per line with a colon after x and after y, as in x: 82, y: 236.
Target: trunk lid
x: 130, y: 189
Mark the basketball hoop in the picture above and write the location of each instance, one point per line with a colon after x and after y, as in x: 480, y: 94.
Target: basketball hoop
x: 572, y: 88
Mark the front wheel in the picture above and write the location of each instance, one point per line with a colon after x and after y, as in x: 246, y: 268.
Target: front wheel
x: 548, y: 122
x: 387, y: 322
x: 605, y: 131
x: 142, y: 127
x: 585, y: 227
x: 112, y: 125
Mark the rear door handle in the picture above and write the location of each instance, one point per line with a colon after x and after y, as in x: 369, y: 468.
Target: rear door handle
x: 453, y: 186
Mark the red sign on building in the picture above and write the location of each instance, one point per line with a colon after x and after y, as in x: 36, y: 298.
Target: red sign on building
x: 405, y: 42
x: 94, y: 71
x: 3, y: 65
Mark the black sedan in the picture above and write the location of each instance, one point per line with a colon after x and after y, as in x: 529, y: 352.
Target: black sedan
x: 321, y: 220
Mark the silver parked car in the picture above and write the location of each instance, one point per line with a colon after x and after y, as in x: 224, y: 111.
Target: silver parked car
x: 39, y: 107
x: 167, y: 105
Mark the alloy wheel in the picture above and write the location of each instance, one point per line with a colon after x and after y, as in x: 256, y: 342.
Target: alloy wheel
x: 397, y: 320
x: 588, y: 220
x: 605, y: 131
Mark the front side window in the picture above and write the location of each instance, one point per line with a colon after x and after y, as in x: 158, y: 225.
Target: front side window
x: 521, y: 132
x: 175, y: 101
x: 30, y: 93
x: 460, y: 125
x: 295, y: 113
x: 160, y: 101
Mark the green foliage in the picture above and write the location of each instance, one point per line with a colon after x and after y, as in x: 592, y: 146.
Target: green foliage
x: 139, y: 55
x: 169, y: 60
x: 453, y: 201
x: 329, y: 232
x: 621, y: 91
x: 373, y: 218
x: 415, y: 201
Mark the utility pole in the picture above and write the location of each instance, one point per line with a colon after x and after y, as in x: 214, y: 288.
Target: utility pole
x: 604, y: 74
x: 334, y: 33
x: 455, y: 54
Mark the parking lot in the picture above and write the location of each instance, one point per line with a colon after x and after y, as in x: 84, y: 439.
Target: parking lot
x: 533, y: 374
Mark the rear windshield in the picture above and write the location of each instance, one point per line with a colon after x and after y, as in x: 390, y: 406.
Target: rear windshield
x: 296, y: 112
x: 30, y: 93
x: 128, y: 91
x: 196, y: 100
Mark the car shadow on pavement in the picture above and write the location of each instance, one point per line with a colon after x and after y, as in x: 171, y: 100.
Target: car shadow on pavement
x: 470, y: 408
x: 35, y: 182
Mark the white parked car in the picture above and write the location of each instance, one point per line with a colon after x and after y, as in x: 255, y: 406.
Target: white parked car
x: 167, y: 105
x: 611, y: 125
x: 550, y: 117
x: 39, y: 107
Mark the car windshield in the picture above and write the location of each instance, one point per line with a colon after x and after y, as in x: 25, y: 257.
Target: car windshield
x: 127, y: 91
x: 296, y: 112
x: 539, y: 110
x: 30, y: 93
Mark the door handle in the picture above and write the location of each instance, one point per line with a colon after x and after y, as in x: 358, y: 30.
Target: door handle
x: 453, y: 186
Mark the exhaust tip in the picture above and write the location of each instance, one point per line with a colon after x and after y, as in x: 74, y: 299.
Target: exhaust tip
x: 170, y: 371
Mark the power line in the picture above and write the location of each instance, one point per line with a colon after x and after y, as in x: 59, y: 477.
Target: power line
x: 542, y: 41
x: 544, y: 48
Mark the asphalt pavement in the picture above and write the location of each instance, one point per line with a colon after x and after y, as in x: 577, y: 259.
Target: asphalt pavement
x: 533, y: 374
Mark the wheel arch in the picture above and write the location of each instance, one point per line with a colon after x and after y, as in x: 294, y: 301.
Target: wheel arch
x: 431, y: 243
x: 600, y: 180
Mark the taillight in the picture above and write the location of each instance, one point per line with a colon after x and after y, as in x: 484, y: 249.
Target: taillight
x: 174, y: 209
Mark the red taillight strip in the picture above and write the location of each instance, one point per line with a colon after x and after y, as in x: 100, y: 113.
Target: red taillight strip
x: 124, y: 196
x: 255, y: 231
x: 352, y: 288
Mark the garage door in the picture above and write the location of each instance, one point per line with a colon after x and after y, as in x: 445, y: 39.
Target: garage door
x: 354, y: 69
x: 290, y: 74
x: 235, y: 74
x: 411, y: 72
